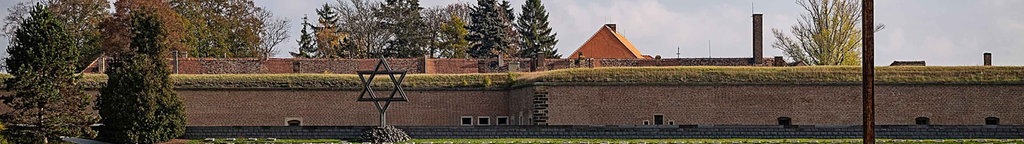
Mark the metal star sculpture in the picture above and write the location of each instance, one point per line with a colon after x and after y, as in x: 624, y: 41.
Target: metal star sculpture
x: 382, y: 103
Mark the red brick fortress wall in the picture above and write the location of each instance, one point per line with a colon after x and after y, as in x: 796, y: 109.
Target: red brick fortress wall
x: 335, y: 108
x: 613, y: 104
x: 764, y: 104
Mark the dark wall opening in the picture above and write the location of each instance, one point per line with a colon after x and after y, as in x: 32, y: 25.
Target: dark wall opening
x: 991, y: 121
x: 785, y: 121
x: 659, y: 119
x: 294, y: 123
x: 922, y: 121
x: 484, y: 121
x: 467, y: 121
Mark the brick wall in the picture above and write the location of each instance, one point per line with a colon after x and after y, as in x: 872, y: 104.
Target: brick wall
x: 676, y: 62
x: 520, y: 102
x: 421, y: 65
x: 763, y: 104
x: 826, y: 105
x: 335, y: 107
x: 454, y: 66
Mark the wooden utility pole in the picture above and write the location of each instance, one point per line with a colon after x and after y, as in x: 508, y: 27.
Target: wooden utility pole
x: 868, y: 61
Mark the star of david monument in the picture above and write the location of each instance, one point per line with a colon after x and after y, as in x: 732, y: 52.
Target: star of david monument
x: 383, y: 133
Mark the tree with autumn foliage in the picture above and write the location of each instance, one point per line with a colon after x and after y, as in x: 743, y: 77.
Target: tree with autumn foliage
x: 221, y: 28
x: 828, y: 34
x: 453, y: 43
x: 117, y: 33
x: 328, y: 38
x: 81, y: 18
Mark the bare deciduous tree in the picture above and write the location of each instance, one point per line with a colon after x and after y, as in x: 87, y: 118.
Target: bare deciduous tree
x: 828, y: 34
x: 365, y: 31
x: 273, y: 32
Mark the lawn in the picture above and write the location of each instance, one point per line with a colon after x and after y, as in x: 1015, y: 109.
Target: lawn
x: 656, y: 141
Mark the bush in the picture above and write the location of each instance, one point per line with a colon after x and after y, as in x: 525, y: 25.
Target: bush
x: 385, y: 134
x: 138, y: 104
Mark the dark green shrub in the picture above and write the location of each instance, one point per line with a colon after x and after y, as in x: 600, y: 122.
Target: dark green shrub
x: 138, y: 104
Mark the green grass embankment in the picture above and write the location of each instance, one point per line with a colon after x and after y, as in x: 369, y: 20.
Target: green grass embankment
x: 609, y: 75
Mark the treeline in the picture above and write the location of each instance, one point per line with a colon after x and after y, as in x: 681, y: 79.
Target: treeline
x: 198, y: 28
x: 404, y: 29
x: 53, y: 40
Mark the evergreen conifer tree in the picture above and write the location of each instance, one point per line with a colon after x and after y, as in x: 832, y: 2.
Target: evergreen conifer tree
x: 307, y: 49
x: 536, y: 35
x: 403, y: 18
x: 510, y: 37
x: 486, y: 34
x: 138, y: 104
x: 47, y: 101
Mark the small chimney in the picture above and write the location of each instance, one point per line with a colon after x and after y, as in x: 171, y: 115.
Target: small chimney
x: 988, y: 59
x: 611, y: 26
x: 758, y: 39
x: 780, y: 61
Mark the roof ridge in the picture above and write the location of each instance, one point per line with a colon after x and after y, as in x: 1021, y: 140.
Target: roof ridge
x: 621, y: 40
x: 625, y: 42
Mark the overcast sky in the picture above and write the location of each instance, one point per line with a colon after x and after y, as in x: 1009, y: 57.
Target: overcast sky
x: 941, y: 32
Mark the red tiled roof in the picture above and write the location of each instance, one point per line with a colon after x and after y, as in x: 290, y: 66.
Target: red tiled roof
x: 607, y: 43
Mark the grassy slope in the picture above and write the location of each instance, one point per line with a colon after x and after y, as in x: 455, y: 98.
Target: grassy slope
x: 969, y: 75
x: 655, y: 75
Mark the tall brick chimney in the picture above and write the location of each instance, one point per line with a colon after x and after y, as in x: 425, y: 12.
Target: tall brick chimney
x: 611, y: 26
x: 988, y: 59
x: 758, y: 39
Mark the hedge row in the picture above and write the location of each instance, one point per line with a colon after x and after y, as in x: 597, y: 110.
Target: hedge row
x: 640, y: 75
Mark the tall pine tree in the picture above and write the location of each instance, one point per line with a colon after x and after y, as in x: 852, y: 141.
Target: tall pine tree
x: 138, y: 104
x: 403, y: 18
x: 487, y: 34
x: 47, y: 102
x: 536, y: 36
x: 511, y: 37
x: 306, y: 47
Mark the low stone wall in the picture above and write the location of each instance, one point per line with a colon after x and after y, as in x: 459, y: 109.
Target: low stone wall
x: 678, y: 62
x: 708, y: 132
x: 423, y: 65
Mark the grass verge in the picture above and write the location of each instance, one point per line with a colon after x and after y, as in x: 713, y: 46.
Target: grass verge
x: 635, y: 141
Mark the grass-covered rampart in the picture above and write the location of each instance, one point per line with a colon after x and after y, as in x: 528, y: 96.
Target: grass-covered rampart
x: 795, y: 75
x: 613, y: 75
